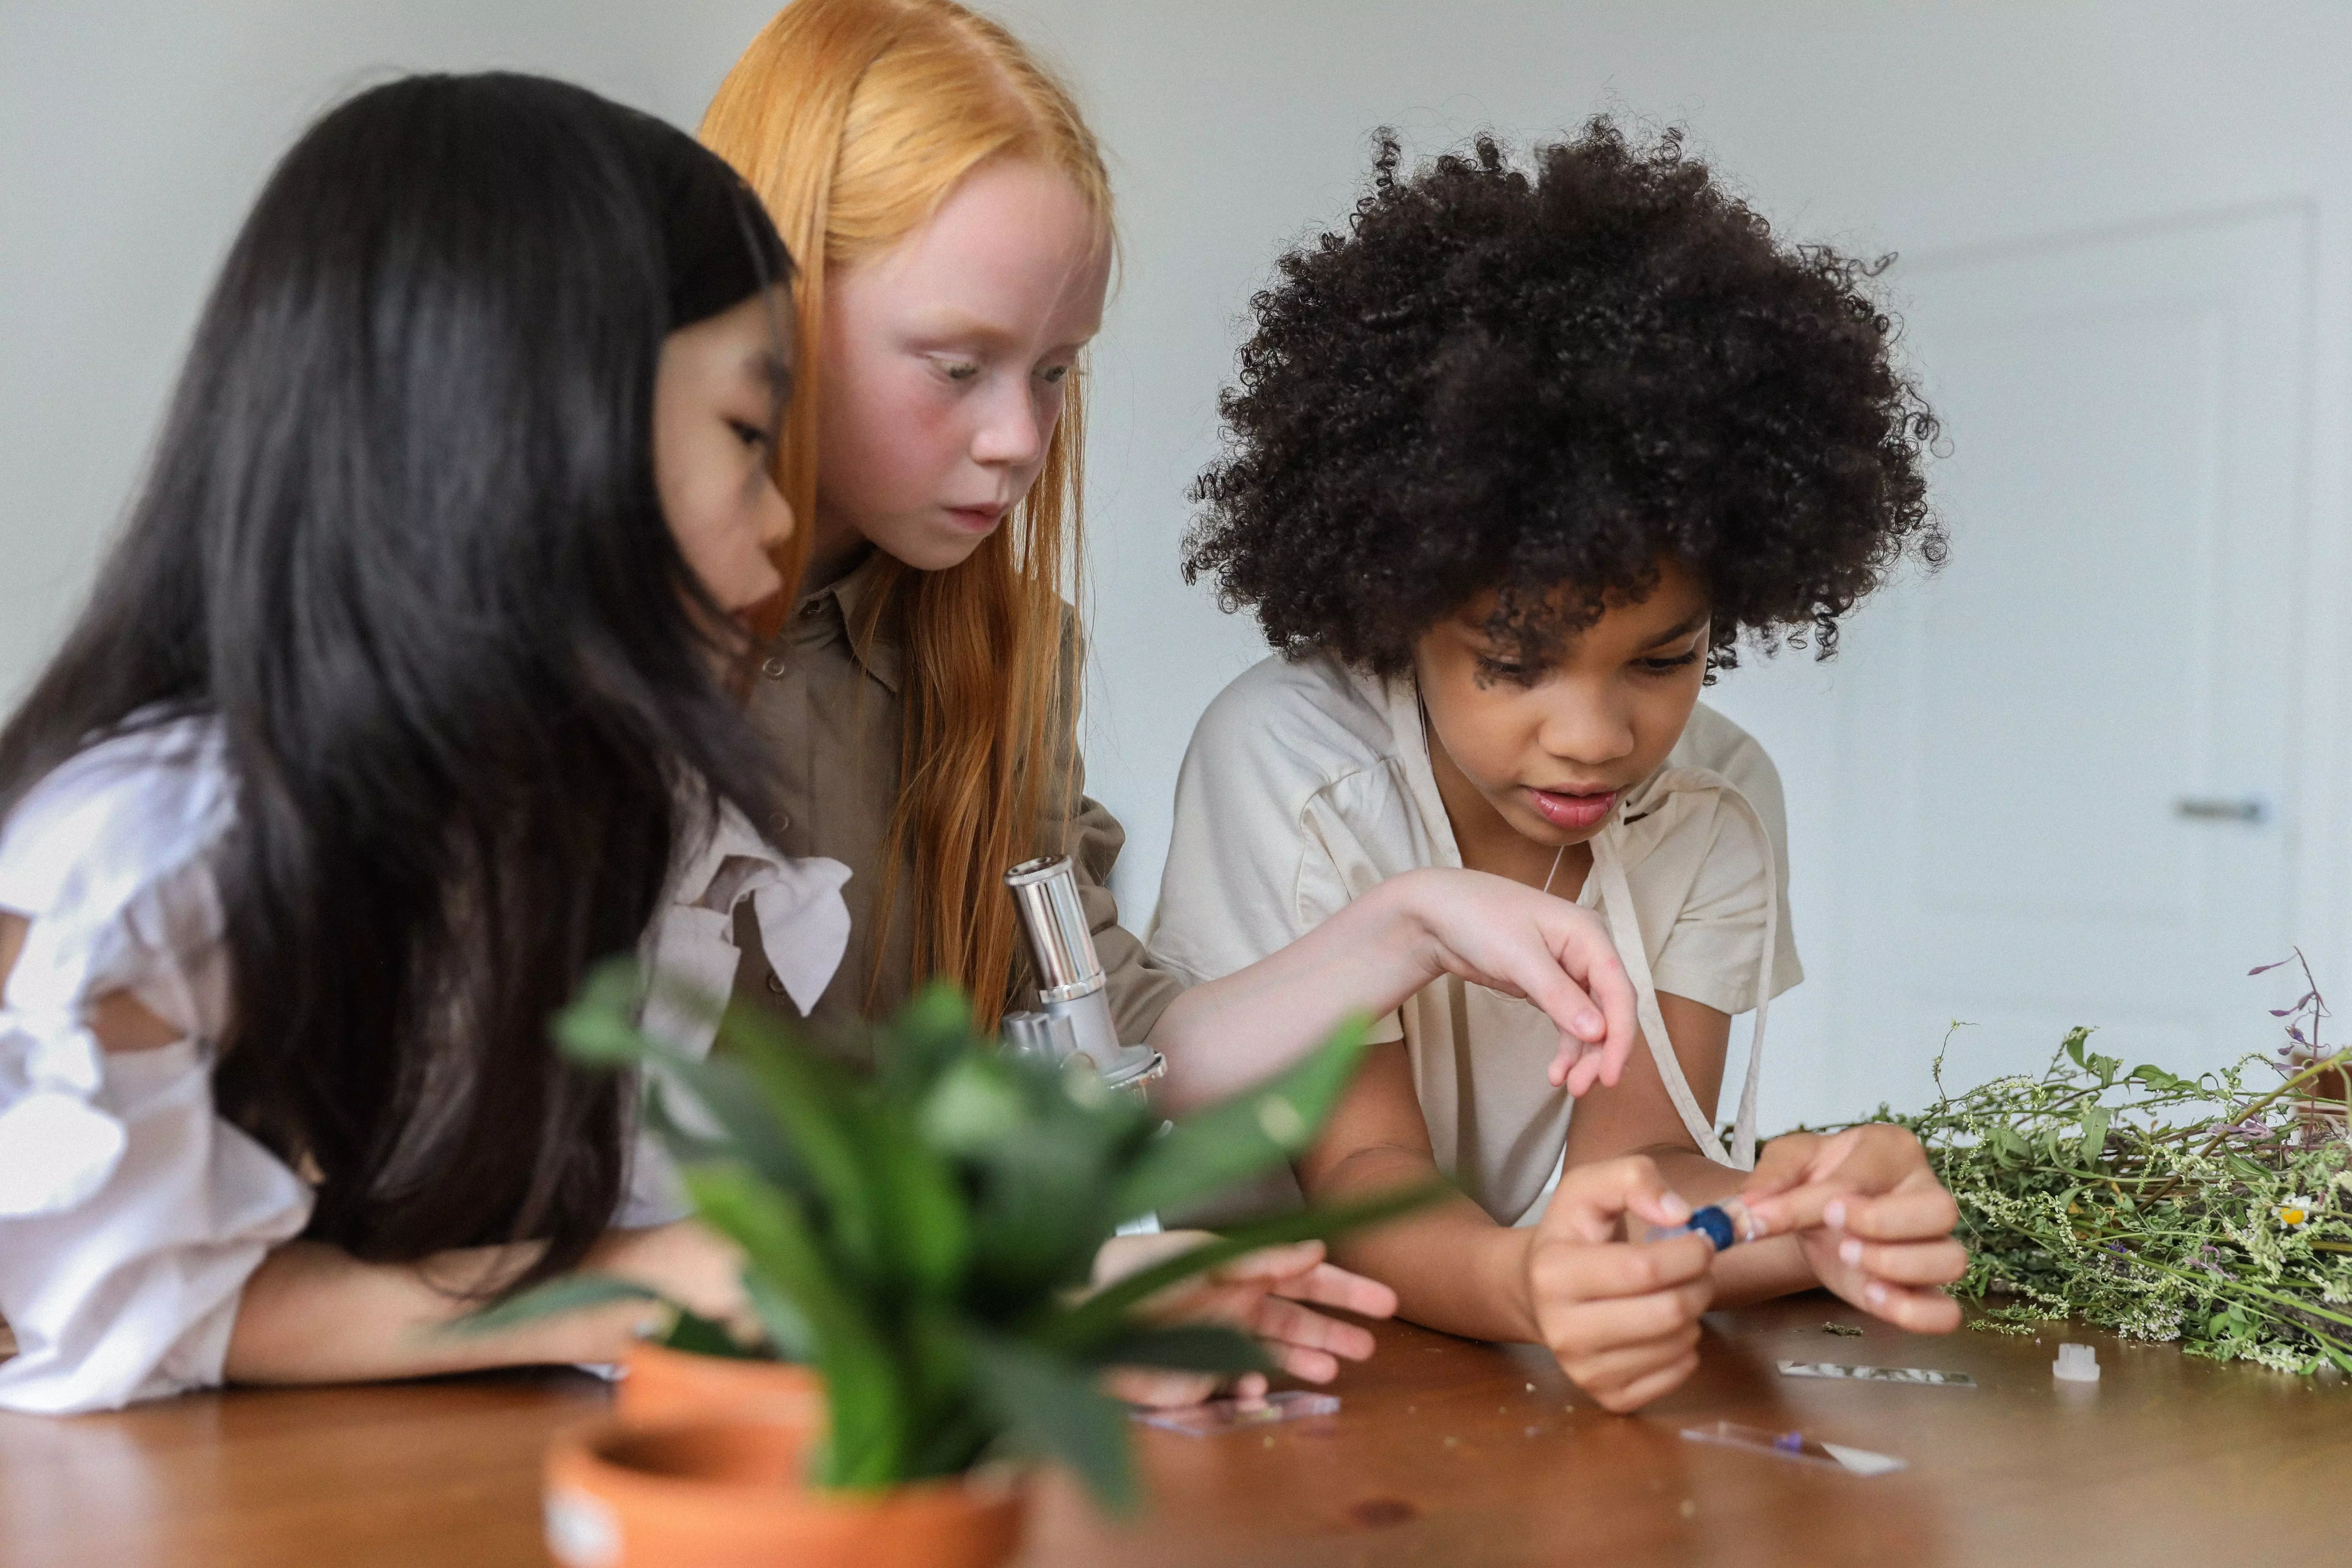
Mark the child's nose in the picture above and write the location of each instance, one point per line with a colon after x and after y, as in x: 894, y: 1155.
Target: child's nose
x: 1584, y: 727
x: 1011, y: 433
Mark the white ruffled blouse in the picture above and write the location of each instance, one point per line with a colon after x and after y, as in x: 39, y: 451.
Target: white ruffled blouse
x: 131, y: 1214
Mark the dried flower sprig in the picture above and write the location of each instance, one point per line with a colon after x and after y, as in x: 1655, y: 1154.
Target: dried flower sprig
x: 2198, y: 1210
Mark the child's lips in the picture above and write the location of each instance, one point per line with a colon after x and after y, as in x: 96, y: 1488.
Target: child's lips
x: 976, y: 518
x: 1575, y: 811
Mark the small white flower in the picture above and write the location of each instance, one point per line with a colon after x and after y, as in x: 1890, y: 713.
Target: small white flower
x: 2297, y: 1213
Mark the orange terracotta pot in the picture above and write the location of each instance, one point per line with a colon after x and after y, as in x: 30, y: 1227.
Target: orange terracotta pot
x: 727, y: 1493
x: 662, y: 1385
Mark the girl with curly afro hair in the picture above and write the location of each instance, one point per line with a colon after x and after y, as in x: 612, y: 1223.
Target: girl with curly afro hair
x: 1515, y: 462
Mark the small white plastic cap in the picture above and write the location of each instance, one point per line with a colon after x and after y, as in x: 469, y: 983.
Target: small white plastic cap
x: 2076, y: 1363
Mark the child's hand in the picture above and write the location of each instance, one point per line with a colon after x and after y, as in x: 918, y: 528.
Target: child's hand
x: 1495, y: 932
x: 688, y: 1262
x: 1872, y: 1219
x: 1622, y: 1317
x: 1257, y: 1293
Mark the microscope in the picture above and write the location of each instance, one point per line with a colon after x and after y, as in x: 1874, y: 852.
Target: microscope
x: 1073, y: 1018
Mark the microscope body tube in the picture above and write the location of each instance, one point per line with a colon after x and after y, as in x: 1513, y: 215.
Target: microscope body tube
x: 1073, y: 990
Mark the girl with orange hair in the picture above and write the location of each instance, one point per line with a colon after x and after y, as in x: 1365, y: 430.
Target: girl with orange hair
x: 954, y: 220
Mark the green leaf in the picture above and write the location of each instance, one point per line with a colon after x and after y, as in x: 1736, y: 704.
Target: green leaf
x: 865, y: 1447
x: 1184, y: 1347
x: 699, y: 1335
x: 977, y: 1105
x: 564, y: 1293
x: 600, y: 1028
x: 2095, y: 1133
x: 930, y: 1035
x: 789, y: 1334
x: 727, y: 1095
x: 1237, y: 1138
x: 2075, y: 1037
x: 1050, y: 1408
x: 929, y: 1230
x: 817, y: 1104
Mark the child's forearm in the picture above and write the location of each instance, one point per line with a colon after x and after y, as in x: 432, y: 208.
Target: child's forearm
x: 313, y: 1313
x: 1223, y: 1035
x: 1452, y: 1267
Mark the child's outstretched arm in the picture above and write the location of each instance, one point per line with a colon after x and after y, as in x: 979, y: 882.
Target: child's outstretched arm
x: 313, y: 1313
x: 1376, y: 951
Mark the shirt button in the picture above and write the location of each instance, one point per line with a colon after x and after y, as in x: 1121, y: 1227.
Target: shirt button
x: 775, y: 986
x: 773, y: 666
x: 781, y: 821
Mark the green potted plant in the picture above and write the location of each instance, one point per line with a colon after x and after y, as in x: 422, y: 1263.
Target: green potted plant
x: 921, y: 1239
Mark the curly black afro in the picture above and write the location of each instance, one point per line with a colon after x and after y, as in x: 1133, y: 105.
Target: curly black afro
x: 1541, y: 384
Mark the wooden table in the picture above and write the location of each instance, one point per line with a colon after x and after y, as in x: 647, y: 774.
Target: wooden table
x: 1446, y: 1453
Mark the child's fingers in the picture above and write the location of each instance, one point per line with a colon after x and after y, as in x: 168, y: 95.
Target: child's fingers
x: 1270, y: 1264
x: 1915, y: 1308
x: 1124, y: 1254
x: 1582, y: 987
x: 1622, y: 1399
x: 1596, y: 1272
x: 1284, y: 1323
x: 1157, y: 1389
x: 1628, y: 1360
x: 1306, y: 1365
x: 1591, y: 1199
x: 1787, y: 1162
x: 1328, y: 1285
x: 1604, y: 1328
x: 1798, y: 1174
x: 1911, y: 1212
x: 1905, y: 1262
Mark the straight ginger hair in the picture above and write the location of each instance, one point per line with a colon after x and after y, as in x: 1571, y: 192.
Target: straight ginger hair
x: 853, y: 120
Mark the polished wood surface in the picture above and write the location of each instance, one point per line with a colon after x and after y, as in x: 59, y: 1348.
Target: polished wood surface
x: 1446, y: 1452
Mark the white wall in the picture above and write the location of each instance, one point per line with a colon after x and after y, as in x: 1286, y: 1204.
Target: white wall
x: 134, y: 134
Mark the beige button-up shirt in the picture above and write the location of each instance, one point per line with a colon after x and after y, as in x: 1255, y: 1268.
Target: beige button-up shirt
x: 831, y: 714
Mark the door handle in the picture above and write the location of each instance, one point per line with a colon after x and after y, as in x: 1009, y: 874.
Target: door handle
x: 2253, y: 809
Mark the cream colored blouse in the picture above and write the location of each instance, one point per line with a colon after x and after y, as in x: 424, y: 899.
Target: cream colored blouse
x: 1308, y: 784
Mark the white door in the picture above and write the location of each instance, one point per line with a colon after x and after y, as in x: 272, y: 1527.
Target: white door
x: 2052, y: 785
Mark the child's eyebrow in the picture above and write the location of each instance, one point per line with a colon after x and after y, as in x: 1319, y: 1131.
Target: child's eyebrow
x: 768, y: 368
x: 1679, y: 631
x: 773, y: 374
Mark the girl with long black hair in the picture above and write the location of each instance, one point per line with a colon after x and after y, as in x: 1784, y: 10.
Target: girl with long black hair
x: 402, y: 701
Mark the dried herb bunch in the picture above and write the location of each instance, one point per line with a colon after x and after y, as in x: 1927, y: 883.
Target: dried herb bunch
x: 2203, y: 1211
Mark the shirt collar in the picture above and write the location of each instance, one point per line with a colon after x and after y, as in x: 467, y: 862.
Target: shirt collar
x: 838, y: 611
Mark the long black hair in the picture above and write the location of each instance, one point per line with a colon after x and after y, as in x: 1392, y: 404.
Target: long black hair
x: 401, y: 538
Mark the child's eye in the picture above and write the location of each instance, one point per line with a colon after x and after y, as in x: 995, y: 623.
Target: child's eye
x: 1513, y: 671
x: 749, y: 434
x: 1664, y: 666
x: 1054, y: 374
x: 959, y: 369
